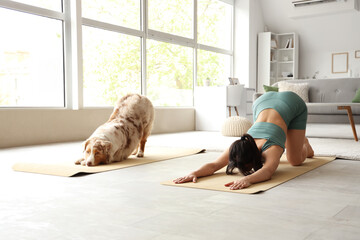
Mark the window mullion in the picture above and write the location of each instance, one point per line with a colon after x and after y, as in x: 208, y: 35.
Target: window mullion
x: 77, y: 63
x: 170, y: 38
x: 214, y: 49
x: 32, y: 9
x: 195, y: 50
x: 111, y: 27
x: 67, y: 55
x: 232, y: 39
x: 144, y: 28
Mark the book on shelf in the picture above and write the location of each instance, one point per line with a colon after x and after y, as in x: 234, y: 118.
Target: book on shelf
x: 287, y: 43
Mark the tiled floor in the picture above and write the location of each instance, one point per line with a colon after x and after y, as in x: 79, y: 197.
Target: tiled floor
x: 131, y: 203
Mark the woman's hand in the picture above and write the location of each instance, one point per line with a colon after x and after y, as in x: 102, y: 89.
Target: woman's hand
x: 188, y: 178
x: 238, y: 184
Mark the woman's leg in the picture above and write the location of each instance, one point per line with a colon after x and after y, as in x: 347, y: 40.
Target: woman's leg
x: 297, y: 147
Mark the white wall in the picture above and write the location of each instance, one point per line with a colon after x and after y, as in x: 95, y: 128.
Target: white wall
x: 21, y: 127
x: 248, y: 23
x: 320, y: 35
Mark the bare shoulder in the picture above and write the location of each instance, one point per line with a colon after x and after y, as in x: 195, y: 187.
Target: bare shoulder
x: 272, y: 156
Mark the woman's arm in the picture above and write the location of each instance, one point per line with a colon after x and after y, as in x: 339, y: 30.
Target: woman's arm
x: 272, y: 160
x: 207, y: 169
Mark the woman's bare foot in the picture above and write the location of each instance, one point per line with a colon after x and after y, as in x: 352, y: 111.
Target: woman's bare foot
x: 310, y: 151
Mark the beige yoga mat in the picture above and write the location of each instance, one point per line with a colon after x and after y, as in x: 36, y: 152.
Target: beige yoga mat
x: 68, y: 168
x: 285, y: 172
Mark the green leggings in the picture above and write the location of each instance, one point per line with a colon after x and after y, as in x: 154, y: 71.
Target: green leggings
x: 290, y: 107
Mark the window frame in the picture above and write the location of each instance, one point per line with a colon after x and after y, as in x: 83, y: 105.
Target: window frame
x: 22, y: 7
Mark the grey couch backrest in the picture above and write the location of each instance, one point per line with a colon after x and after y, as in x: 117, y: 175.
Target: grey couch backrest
x: 331, y: 90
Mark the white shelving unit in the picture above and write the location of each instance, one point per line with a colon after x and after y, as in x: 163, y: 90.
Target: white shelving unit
x: 277, y: 58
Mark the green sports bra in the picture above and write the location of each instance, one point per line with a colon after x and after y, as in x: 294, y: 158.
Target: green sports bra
x: 272, y: 132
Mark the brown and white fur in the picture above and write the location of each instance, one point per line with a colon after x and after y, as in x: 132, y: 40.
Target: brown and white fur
x: 126, y: 130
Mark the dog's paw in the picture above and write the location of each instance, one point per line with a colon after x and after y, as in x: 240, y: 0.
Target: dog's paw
x: 140, y: 154
x: 79, y: 161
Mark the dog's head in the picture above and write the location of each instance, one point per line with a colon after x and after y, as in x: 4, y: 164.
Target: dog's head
x: 96, y: 151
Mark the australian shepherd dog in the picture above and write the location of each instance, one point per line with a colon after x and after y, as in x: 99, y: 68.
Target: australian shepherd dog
x: 124, y: 133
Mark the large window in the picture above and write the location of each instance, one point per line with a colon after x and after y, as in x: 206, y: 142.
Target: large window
x: 111, y: 52
x: 215, y: 23
x: 118, y: 12
x: 31, y: 60
x: 162, y: 49
x: 172, y: 16
x: 213, y: 68
x: 112, y: 66
x: 169, y: 74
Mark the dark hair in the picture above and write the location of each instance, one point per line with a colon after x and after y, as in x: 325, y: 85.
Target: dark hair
x: 244, y: 153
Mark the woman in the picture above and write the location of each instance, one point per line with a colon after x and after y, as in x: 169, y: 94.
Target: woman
x: 279, y: 123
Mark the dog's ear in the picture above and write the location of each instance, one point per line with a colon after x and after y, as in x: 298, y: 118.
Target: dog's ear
x: 85, y: 143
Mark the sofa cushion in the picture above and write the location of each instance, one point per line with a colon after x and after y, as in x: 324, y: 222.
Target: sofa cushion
x: 356, y: 99
x: 300, y: 89
x: 330, y: 90
x: 270, y: 88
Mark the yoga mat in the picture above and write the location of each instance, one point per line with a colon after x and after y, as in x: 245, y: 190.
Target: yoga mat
x: 69, y: 169
x: 285, y: 172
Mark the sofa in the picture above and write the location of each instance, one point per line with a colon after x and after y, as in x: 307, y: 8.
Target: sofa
x: 325, y: 95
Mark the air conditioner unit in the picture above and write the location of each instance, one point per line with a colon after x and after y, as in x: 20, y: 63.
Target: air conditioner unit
x: 300, y: 3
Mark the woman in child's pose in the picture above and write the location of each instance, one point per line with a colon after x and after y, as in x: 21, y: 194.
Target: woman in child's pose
x: 279, y: 123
